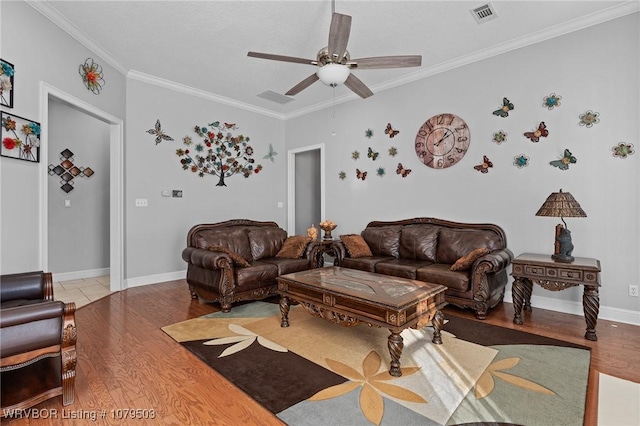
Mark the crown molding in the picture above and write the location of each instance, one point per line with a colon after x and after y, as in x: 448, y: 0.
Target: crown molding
x: 178, y: 87
x: 54, y: 16
x: 596, y: 18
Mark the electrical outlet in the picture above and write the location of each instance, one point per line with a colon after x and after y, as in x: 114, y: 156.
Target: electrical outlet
x: 633, y: 290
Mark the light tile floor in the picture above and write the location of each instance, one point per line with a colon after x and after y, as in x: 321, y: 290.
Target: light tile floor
x: 82, y: 291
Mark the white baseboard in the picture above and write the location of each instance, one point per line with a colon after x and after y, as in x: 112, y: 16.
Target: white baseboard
x: 575, y: 308
x: 80, y: 275
x: 154, y: 279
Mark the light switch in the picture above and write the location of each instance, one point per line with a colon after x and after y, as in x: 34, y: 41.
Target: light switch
x: 166, y: 193
x: 67, y: 203
x: 141, y: 202
x: 280, y: 204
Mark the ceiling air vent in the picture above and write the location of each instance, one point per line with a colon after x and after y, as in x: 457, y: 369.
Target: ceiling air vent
x: 484, y: 13
x: 272, y: 96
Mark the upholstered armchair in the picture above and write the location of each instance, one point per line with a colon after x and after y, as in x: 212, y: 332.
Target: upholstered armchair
x: 37, y: 342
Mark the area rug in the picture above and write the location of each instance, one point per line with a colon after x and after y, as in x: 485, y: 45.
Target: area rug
x: 318, y: 373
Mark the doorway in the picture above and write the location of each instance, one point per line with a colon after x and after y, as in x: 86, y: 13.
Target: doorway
x: 305, y: 188
x: 114, y: 133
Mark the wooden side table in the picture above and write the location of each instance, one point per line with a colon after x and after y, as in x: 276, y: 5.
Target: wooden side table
x: 531, y: 268
x: 322, y: 247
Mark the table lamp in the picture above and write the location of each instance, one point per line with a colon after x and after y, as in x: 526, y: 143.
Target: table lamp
x: 562, y: 204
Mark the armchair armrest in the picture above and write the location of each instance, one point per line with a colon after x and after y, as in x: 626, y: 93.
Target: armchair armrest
x: 28, y: 285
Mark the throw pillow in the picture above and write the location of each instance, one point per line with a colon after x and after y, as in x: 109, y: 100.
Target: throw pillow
x: 466, y: 261
x: 237, y: 259
x: 293, y: 247
x: 356, y: 245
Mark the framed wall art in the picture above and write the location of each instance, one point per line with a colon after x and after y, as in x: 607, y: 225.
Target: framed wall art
x: 7, y: 71
x: 20, y: 138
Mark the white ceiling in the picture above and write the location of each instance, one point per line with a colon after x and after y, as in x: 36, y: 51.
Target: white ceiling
x: 203, y: 45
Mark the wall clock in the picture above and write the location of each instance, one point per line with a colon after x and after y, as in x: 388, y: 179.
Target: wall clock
x: 442, y: 141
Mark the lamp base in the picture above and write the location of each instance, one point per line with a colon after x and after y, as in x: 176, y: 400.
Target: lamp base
x: 563, y: 258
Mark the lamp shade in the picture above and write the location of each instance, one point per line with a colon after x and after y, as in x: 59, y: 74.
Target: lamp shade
x: 333, y: 74
x: 561, y: 204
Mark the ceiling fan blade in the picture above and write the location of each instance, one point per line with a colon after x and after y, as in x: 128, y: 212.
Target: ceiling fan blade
x: 339, y: 35
x: 386, y: 62
x: 358, y: 87
x: 302, y: 85
x: 282, y: 58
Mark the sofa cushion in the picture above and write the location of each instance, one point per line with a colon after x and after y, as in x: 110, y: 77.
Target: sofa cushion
x: 289, y: 266
x: 383, y: 240
x: 466, y: 261
x: 356, y: 245
x: 439, y: 273
x: 293, y: 247
x: 237, y: 259
x: 233, y: 238
x: 405, y: 268
x: 253, y: 276
x: 455, y: 243
x: 419, y: 242
x: 363, y: 263
x: 266, y: 241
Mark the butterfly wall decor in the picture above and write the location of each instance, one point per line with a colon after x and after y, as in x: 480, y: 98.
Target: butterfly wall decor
x: 504, y: 110
x: 271, y: 154
x: 402, y: 171
x: 160, y: 135
x: 563, y: 163
x: 484, y: 167
x: 372, y: 154
x: 389, y: 131
x: 537, y: 134
x: 361, y: 175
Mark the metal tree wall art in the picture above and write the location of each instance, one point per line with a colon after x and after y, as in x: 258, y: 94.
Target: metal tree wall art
x: 219, y: 153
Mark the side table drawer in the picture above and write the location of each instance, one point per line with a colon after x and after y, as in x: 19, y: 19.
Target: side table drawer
x: 535, y: 270
x: 570, y: 274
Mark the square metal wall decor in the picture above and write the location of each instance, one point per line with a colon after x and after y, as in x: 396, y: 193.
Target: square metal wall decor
x: 20, y: 138
x: 67, y: 170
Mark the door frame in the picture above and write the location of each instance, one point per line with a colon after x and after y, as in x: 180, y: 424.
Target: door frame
x: 116, y: 188
x: 291, y: 184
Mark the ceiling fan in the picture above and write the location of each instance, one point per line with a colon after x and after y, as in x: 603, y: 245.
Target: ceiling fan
x: 335, y: 63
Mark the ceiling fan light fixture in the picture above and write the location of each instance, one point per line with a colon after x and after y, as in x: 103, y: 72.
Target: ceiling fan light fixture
x: 333, y: 74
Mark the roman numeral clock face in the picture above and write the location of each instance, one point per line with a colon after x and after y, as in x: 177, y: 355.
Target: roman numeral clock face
x: 442, y: 141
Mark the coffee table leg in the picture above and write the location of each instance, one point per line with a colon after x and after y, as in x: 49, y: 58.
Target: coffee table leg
x: 437, y: 322
x: 284, y: 311
x: 395, y: 345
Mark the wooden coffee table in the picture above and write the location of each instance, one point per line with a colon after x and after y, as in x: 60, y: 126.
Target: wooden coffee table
x: 348, y: 296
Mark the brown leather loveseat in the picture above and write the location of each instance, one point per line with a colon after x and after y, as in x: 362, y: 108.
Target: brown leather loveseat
x: 426, y: 249
x: 240, y: 259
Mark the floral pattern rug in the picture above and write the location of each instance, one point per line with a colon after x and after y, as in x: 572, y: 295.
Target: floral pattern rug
x: 315, y: 372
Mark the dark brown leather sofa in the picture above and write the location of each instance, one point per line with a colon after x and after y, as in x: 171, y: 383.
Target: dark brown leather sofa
x: 425, y: 248
x: 37, y: 342
x: 214, y: 275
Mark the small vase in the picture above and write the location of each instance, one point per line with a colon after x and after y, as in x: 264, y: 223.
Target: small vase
x: 312, y: 233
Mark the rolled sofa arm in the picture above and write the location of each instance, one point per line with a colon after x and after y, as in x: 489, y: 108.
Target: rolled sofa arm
x: 495, y: 261
x: 207, y: 259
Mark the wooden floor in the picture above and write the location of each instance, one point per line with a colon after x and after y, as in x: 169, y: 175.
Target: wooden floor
x: 126, y: 362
